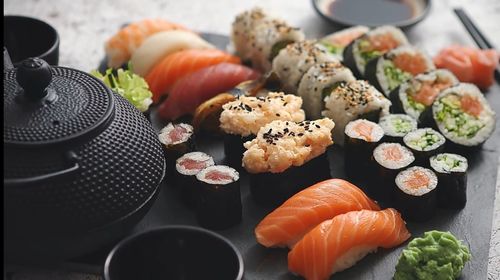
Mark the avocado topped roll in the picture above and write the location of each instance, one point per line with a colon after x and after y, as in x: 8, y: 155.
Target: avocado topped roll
x: 337, y: 41
x: 372, y: 45
x: 293, y: 61
x: 451, y: 170
x: 286, y: 157
x: 462, y: 115
x: 424, y: 143
x: 319, y: 81
x: 241, y: 119
x: 417, y: 94
x: 354, y: 100
x: 387, y: 72
x: 396, y: 126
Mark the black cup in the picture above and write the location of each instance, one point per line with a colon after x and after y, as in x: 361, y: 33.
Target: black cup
x: 30, y: 37
x: 174, y: 252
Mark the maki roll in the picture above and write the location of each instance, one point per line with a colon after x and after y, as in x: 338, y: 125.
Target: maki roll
x: 241, y: 119
x: 416, y: 193
x: 424, y: 143
x: 417, y: 94
x: 387, y: 72
x: 388, y: 160
x: 241, y: 31
x: 219, y: 198
x: 293, y: 61
x: 337, y: 41
x: 396, y: 126
x: 177, y: 139
x: 361, y: 138
x: 462, y: 115
x: 319, y: 81
x: 451, y: 170
x: 187, y: 167
x: 372, y: 45
x: 354, y: 100
x: 286, y: 157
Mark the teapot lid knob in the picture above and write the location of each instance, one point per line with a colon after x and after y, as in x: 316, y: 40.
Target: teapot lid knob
x: 34, y: 75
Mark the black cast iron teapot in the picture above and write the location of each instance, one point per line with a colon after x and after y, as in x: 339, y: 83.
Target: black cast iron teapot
x: 81, y: 165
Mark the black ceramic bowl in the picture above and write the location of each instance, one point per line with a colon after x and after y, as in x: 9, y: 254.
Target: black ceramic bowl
x: 373, y: 13
x: 30, y: 37
x: 174, y: 252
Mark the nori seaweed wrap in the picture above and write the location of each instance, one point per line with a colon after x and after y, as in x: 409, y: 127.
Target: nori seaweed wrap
x: 451, y: 170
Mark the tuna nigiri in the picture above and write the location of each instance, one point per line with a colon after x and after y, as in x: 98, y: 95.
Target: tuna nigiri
x: 469, y: 64
x: 119, y: 47
x: 339, y: 243
x: 288, y: 223
x: 196, y: 88
x: 177, y: 65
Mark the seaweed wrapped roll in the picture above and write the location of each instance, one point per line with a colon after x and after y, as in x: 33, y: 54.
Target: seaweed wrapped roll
x: 187, y: 166
x: 424, y: 143
x: 451, y: 170
x: 416, y: 193
x: 286, y: 157
x: 337, y: 41
x: 417, y: 94
x: 177, y: 139
x: 462, y: 115
x: 395, y: 67
x: 219, y: 198
x: 241, y: 119
x: 354, y: 100
x: 396, y: 126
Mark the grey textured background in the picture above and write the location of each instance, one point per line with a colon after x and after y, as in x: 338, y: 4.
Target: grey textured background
x: 84, y: 25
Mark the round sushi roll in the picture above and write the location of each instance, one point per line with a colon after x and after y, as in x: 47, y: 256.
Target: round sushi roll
x: 372, y: 45
x: 361, y: 138
x: 337, y: 41
x: 416, y: 193
x: 387, y: 72
x: 267, y: 39
x: 286, y: 157
x: 396, y: 126
x: 319, y: 81
x: 417, y: 94
x: 177, y: 139
x: 354, y: 100
x: 219, y: 197
x: 424, y: 143
x: 241, y: 119
x: 462, y: 115
x: 451, y: 170
x: 388, y: 160
x: 187, y: 166
x: 293, y: 61
x: 241, y: 29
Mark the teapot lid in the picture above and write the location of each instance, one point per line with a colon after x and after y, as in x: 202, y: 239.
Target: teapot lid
x: 47, y: 104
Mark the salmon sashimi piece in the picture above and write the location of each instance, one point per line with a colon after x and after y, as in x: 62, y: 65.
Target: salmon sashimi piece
x: 293, y: 219
x: 120, y: 47
x: 471, y: 105
x: 428, y: 91
x: 194, y: 89
x: 364, y: 129
x: 413, y: 64
x: 179, y: 64
x: 339, y: 243
x: 470, y: 65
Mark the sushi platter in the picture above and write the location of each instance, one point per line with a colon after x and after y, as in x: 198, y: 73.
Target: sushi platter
x: 357, y: 144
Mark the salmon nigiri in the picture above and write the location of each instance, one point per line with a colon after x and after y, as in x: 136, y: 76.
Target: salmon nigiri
x: 119, y: 47
x: 196, y: 88
x: 179, y: 64
x: 339, y: 243
x: 288, y: 223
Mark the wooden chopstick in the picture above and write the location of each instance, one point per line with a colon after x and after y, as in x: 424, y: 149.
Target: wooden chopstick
x: 478, y: 37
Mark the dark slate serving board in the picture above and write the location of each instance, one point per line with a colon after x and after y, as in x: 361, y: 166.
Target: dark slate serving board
x: 472, y: 224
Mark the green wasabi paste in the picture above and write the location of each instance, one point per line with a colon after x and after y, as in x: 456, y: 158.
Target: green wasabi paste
x: 437, y: 256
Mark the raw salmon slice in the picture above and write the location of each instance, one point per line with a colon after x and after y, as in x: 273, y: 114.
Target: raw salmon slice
x: 471, y: 105
x: 339, y: 243
x: 288, y: 223
x: 179, y: 64
x: 413, y: 64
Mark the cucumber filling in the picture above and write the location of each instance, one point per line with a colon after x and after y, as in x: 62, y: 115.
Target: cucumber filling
x: 427, y: 140
x: 449, y: 162
x: 394, y: 75
x: 367, y: 55
x: 402, y: 125
x: 417, y: 106
x: 454, y: 119
x: 337, y: 50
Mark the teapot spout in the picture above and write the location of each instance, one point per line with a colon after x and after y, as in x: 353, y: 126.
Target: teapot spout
x: 7, y: 62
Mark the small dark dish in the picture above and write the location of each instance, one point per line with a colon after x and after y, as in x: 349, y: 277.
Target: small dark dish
x: 174, y: 252
x: 30, y: 37
x: 372, y: 13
